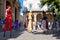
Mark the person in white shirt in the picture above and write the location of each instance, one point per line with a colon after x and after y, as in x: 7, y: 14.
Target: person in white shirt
x: 43, y: 26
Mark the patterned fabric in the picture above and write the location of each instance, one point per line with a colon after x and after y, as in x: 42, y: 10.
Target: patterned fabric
x: 43, y: 25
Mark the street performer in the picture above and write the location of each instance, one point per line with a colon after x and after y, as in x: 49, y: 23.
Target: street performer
x: 8, y: 25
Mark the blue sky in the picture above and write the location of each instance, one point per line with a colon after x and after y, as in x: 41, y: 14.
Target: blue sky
x: 21, y: 3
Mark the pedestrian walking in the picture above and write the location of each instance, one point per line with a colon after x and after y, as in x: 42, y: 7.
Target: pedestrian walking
x: 47, y: 25
x: 36, y: 25
x: 50, y: 25
x: 54, y: 26
x: 43, y: 27
x: 40, y: 22
x: 16, y: 25
x: 20, y: 24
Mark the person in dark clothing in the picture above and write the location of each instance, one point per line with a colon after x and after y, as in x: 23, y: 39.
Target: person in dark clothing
x: 16, y: 25
x: 36, y: 25
x: 47, y: 25
x: 54, y: 26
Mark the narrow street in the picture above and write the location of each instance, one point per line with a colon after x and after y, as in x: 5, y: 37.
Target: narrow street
x: 25, y: 35
x: 29, y: 36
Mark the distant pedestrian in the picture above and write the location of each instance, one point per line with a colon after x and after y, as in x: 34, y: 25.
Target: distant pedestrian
x: 40, y: 22
x: 47, y: 25
x: 50, y: 25
x: 36, y: 25
x: 43, y: 27
x: 16, y: 25
x: 54, y: 26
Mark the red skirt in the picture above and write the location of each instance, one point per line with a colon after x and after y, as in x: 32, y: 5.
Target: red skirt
x: 8, y: 25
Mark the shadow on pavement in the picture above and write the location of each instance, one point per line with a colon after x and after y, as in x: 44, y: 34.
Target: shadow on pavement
x: 14, y: 34
x: 57, y: 34
x: 46, y: 32
x: 49, y: 32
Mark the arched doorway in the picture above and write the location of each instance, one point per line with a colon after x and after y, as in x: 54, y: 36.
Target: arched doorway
x: 49, y: 17
x: 38, y: 17
x: 8, y: 3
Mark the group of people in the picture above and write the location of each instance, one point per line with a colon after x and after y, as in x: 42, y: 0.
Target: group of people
x: 8, y: 23
x: 45, y: 25
x: 15, y: 25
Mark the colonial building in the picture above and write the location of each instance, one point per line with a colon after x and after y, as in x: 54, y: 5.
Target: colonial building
x: 35, y: 16
x: 33, y: 12
x: 14, y: 5
x: 20, y: 18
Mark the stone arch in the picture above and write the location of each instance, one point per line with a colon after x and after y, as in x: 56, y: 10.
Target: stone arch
x: 38, y: 17
x: 8, y: 3
x: 50, y: 17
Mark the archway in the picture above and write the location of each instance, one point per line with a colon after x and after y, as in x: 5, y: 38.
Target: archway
x: 50, y: 17
x: 8, y: 3
x: 38, y: 17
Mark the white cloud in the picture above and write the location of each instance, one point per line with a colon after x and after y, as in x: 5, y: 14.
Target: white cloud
x: 21, y: 14
x: 34, y: 4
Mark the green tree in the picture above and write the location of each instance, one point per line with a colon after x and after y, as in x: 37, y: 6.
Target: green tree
x: 54, y: 4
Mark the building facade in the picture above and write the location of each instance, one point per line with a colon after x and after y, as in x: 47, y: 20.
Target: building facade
x: 35, y: 16
x: 14, y: 5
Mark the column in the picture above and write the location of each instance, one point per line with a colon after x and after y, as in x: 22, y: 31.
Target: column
x: 13, y: 12
x: 35, y: 17
x: 34, y: 24
x: 30, y: 21
x: 4, y: 9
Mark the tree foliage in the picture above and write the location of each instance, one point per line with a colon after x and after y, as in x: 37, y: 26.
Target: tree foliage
x: 55, y: 3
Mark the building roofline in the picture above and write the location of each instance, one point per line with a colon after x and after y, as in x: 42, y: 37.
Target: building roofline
x: 34, y: 12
